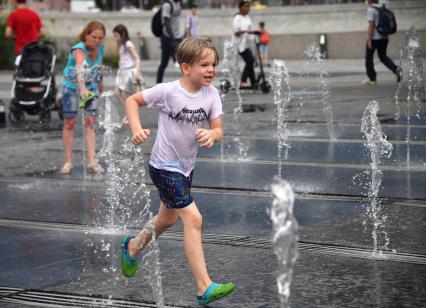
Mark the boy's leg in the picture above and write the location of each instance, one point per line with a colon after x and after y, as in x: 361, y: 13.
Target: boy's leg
x: 162, y: 221
x: 192, y: 221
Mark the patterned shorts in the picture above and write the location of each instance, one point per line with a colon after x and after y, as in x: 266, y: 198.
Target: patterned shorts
x: 173, y: 187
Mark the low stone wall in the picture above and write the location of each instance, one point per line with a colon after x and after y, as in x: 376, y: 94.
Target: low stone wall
x: 292, y: 28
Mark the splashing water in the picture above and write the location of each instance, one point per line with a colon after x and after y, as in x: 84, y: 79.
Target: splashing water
x: 285, y: 236
x: 416, y: 87
x: 128, y: 198
x: 231, y: 70
x: 282, y: 96
x: 90, y: 75
x: 398, y: 89
x: 136, y: 178
x: 313, y: 54
x: 379, y: 147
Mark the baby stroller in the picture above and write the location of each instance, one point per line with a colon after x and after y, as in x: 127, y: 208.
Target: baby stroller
x: 261, y: 82
x: 34, y: 90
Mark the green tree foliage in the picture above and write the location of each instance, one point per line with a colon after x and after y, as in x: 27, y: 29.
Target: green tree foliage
x: 7, y: 59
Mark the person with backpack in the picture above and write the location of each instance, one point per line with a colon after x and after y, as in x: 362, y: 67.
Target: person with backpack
x: 264, y: 39
x: 166, y: 25
x: 381, y: 23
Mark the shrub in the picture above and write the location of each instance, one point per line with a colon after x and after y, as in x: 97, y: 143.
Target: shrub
x: 7, y: 59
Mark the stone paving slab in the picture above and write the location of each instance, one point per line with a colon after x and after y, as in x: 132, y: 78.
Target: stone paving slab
x: 326, y: 220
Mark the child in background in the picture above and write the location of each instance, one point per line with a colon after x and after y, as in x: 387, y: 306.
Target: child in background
x: 191, y: 27
x: 264, y: 39
x: 184, y: 106
x: 128, y: 79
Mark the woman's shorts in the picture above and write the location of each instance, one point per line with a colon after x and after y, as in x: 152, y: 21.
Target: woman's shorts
x: 173, y: 187
x: 125, y: 80
x: 70, y: 103
x: 263, y: 48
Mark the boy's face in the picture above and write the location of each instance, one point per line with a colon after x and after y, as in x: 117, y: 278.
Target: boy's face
x: 202, y: 73
x: 194, y: 11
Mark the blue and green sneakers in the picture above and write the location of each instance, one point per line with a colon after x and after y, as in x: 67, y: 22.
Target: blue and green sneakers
x: 214, y: 292
x: 129, y: 266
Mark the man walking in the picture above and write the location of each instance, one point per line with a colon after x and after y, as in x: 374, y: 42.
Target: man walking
x: 24, y: 26
x: 172, y: 36
x: 378, y: 41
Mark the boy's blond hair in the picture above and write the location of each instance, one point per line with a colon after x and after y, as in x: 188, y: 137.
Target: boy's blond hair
x: 191, y: 50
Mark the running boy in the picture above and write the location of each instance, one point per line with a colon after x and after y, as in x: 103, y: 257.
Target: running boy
x: 184, y: 106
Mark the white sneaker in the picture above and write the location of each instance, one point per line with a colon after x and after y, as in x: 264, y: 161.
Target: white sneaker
x: 369, y: 82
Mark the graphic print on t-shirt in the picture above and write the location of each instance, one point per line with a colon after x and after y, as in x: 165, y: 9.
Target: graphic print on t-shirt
x: 190, y: 116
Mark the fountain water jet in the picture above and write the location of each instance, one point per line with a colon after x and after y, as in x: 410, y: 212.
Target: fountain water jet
x: 128, y: 198
x: 378, y: 147
x: 416, y: 87
x: 231, y: 70
x: 313, y: 53
x: 282, y: 96
x: 285, y: 236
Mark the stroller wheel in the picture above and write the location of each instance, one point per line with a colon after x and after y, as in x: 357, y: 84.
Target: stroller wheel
x: 225, y: 85
x: 44, y: 116
x: 265, y: 87
x: 16, y: 115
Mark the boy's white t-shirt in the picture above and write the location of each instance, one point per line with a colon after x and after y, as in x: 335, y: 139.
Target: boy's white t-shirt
x: 181, y: 113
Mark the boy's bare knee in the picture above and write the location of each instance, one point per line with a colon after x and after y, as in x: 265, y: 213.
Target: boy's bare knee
x: 195, y: 220
x: 170, y: 222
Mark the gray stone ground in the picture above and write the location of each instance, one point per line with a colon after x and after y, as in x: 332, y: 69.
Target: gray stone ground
x: 55, y: 229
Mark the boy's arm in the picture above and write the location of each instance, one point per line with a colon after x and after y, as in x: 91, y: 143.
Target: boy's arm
x: 207, y: 137
x: 133, y: 102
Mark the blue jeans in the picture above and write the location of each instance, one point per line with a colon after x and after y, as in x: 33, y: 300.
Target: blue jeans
x: 167, y: 51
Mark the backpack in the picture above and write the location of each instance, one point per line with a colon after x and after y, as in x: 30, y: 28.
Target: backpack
x: 387, y: 22
x: 156, y: 24
x: 264, y: 38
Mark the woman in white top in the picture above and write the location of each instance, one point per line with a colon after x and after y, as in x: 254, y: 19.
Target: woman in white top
x: 129, y: 79
x: 243, y: 40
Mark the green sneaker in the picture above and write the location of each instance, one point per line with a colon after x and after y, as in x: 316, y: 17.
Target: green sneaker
x: 214, y: 292
x: 86, y: 101
x: 129, y: 266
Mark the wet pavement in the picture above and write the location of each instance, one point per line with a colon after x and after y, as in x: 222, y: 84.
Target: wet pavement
x: 61, y: 235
